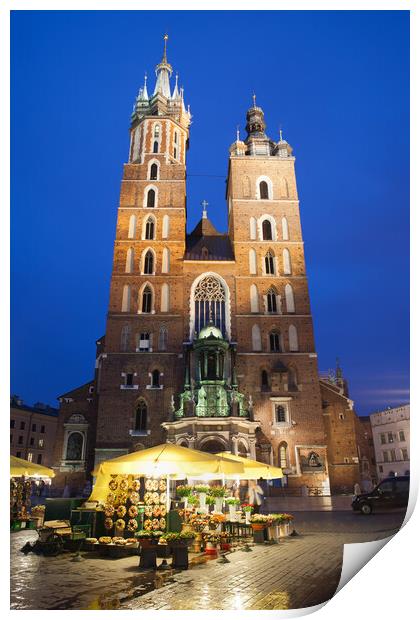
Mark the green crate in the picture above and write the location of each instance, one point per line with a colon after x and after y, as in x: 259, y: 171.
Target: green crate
x: 16, y: 526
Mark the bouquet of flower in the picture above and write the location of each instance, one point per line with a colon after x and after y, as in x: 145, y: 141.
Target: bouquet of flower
x: 201, y: 488
x: 217, y: 491
x: 264, y: 519
x: 183, y: 490
x: 193, y: 500
x: 232, y: 501
x: 247, y: 507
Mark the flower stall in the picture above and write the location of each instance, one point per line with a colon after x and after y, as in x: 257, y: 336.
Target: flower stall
x: 26, y: 478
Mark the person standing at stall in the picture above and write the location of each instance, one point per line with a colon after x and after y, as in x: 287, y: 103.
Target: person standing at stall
x: 255, y: 495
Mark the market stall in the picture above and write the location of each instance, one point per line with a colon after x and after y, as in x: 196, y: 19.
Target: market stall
x: 26, y: 480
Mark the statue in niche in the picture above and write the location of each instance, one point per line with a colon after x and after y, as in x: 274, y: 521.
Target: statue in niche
x: 202, y: 401
x: 222, y: 405
x: 314, y: 460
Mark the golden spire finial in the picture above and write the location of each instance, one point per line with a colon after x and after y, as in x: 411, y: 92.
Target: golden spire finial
x: 254, y: 98
x: 165, y: 38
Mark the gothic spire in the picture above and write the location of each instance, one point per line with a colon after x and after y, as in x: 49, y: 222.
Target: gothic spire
x: 175, y: 94
x: 163, y: 73
x: 144, y: 93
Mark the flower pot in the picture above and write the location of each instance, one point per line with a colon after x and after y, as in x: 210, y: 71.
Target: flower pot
x: 258, y: 527
x: 284, y: 529
x: 218, y: 504
x: 232, y: 512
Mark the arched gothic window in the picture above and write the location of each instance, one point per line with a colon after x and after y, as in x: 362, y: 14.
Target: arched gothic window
x: 267, y: 231
x: 283, y: 460
x: 280, y: 414
x: 126, y: 298
x: 140, y: 423
x: 156, y: 379
x: 164, y: 298
x: 275, y: 342
x: 165, y: 227
x: 151, y: 198
x: 264, y: 380
x: 153, y: 172
x: 252, y: 261
x: 256, y: 338
x: 271, y: 300
x: 284, y: 229
x: 290, y: 299
x: 263, y: 190
x: 132, y: 227
x: 129, y: 261
x: 148, y: 262
x: 165, y: 260
x: 287, y: 266
x: 163, y: 339
x: 149, y: 231
x: 269, y: 264
x: 146, y: 301
x: 253, y: 228
x: 210, y: 302
x: 155, y: 146
x: 293, y: 339
x: 253, y: 293
x: 74, y: 447
x: 125, y: 338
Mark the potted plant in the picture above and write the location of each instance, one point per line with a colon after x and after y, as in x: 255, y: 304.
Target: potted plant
x: 147, y: 538
x: 232, y: 503
x: 248, y: 510
x: 202, y: 490
x: 259, y: 522
x: 218, y: 493
x: 184, y: 491
x: 179, y: 539
x: 193, y: 500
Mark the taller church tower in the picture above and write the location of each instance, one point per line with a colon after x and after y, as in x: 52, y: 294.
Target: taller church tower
x: 140, y: 367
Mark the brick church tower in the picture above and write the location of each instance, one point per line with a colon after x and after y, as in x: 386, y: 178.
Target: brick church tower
x: 209, y: 340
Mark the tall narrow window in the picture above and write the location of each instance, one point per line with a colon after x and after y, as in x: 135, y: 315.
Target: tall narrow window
x: 256, y: 338
x: 269, y: 264
x: 125, y: 338
x: 253, y: 292
x: 146, y: 302
x: 132, y: 227
x: 292, y: 382
x: 283, y: 454
x: 129, y: 261
x: 275, y: 343
x: 284, y: 229
x: 290, y: 299
x: 267, y: 232
x: 284, y: 188
x: 156, y: 379
x: 293, y: 339
x: 252, y: 261
x: 148, y: 262
x: 151, y: 198
x: 163, y: 339
x: 263, y: 190
x: 126, y: 298
x: 156, y: 131
x: 253, y: 228
x: 140, y: 423
x: 272, y: 300
x: 165, y: 260
x: 149, y: 232
x: 280, y: 414
x: 153, y: 172
x: 155, y: 146
x: 264, y: 381
x: 287, y: 266
x: 164, y: 300
x: 165, y: 227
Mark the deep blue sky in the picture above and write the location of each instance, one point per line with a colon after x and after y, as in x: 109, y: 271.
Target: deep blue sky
x: 337, y: 83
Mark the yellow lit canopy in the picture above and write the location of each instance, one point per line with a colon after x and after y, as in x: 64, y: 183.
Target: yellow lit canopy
x: 20, y: 467
x: 252, y: 469
x: 167, y: 459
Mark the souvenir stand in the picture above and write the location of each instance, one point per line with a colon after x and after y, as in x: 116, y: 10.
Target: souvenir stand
x: 25, y: 480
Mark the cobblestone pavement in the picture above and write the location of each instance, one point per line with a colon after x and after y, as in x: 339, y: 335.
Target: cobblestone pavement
x: 298, y: 572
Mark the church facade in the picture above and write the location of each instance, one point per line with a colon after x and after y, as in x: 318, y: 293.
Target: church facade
x: 209, y: 339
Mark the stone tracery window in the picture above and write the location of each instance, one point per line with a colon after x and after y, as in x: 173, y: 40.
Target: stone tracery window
x: 210, y: 303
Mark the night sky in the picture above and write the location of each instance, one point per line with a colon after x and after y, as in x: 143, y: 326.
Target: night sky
x: 338, y: 85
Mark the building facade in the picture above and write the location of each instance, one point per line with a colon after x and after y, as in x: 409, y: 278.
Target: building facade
x: 391, y: 438
x: 209, y: 340
x: 33, y: 431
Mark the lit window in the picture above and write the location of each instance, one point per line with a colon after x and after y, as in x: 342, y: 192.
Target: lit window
x: 30, y: 457
x: 40, y: 443
x: 283, y: 455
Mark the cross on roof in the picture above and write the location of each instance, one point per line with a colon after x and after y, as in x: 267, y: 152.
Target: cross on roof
x: 204, y: 204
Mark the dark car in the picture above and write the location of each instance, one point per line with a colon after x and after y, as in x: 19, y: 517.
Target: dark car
x: 390, y: 493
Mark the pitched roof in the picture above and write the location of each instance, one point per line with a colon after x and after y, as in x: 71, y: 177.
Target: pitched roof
x: 206, y: 237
